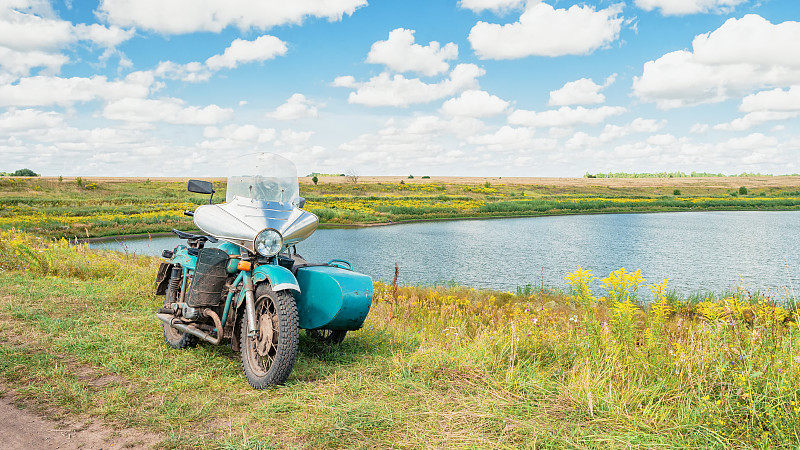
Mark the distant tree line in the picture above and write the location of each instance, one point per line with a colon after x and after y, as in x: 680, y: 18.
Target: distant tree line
x: 317, y: 174
x: 20, y: 173
x: 671, y: 175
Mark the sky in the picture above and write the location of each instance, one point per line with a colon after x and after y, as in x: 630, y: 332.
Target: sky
x: 413, y: 87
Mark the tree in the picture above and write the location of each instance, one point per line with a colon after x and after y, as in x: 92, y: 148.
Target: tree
x: 24, y: 173
x: 743, y: 190
x: 315, y: 180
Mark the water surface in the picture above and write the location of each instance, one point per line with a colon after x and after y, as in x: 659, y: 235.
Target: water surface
x: 697, y: 251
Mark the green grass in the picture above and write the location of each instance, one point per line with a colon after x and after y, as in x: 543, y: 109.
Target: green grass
x: 66, y: 209
x: 434, y: 367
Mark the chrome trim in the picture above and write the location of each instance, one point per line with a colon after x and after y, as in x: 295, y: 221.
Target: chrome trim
x: 282, y: 286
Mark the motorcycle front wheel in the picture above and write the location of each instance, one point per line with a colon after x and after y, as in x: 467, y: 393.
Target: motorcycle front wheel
x: 268, y: 358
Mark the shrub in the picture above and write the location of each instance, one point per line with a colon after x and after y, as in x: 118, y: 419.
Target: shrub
x: 676, y: 192
x: 411, y: 177
x: 743, y: 190
x: 79, y: 181
x: 425, y: 177
x: 24, y: 173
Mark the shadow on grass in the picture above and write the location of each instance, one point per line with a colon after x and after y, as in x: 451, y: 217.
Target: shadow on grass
x: 316, y: 361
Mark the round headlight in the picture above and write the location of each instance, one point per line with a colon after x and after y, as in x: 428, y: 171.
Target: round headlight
x: 268, y: 243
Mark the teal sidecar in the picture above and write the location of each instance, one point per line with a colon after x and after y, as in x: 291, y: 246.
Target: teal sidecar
x: 328, y: 296
x: 332, y: 298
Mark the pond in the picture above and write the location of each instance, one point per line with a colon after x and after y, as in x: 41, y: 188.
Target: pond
x: 697, y: 251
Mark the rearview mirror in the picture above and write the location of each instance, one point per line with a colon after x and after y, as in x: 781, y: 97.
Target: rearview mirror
x: 200, y: 187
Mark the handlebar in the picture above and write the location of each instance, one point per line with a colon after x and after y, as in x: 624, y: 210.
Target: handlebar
x: 199, y: 237
x: 340, y: 263
x: 188, y: 213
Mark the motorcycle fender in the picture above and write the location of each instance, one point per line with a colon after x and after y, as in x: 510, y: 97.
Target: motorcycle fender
x: 279, y: 277
x: 162, y: 278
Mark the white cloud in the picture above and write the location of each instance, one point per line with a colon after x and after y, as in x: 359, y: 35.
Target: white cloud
x: 168, y: 110
x: 756, y: 118
x: 32, y: 36
x: 294, y: 138
x: 773, y: 100
x: 397, y: 90
x: 582, y: 140
x: 662, y: 140
x: 347, y: 81
x: 29, y: 119
x: 750, y: 142
x: 103, y: 36
x: 741, y: 55
x: 296, y: 107
x: 249, y: 133
x: 497, y: 6
x: 580, y: 92
x: 508, y: 138
x: 21, y: 31
x: 638, y: 125
x: 474, y: 103
x: 683, y: 7
x: 399, y: 53
x: 564, y: 116
x: 699, y: 128
x: 192, y: 72
x: 47, y: 90
x: 242, y: 51
x: 15, y: 64
x: 186, y: 16
x: 412, y: 143
x: 545, y: 31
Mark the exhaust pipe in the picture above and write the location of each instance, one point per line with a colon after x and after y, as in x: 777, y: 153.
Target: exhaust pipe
x: 194, y: 331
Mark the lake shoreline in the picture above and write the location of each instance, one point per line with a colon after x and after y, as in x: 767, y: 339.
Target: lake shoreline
x: 334, y: 226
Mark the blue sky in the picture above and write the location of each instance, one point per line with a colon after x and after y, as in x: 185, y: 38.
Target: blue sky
x: 469, y: 87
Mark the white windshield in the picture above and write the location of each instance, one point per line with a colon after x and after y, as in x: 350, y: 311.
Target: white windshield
x: 264, y: 177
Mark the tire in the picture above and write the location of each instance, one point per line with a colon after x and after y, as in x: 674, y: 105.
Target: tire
x: 328, y: 337
x: 268, y: 359
x: 178, y: 339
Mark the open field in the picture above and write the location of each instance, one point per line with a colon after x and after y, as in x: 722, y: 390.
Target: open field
x: 439, y: 367
x: 767, y: 182
x: 92, y: 207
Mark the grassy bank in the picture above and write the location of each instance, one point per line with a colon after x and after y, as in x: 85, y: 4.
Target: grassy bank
x: 85, y: 208
x: 434, y: 366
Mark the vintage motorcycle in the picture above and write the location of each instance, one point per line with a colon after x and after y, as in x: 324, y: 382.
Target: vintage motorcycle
x: 253, y: 288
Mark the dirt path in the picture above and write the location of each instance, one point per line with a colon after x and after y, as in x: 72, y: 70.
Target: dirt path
x: 22, y: 429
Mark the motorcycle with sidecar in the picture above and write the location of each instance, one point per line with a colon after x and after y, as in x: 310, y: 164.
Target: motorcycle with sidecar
x: 243, y: 281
